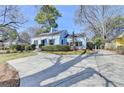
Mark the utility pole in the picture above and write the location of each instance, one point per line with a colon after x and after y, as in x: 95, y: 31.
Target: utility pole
x: 73, y: 40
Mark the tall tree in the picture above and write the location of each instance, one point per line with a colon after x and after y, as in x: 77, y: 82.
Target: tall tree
x: 10, y: 17
x: 25, y: 36
x: 33, y: 30
x: 47, y: 16
x: 10, y: 33
x: 99, y: 19
x: 7, y: 34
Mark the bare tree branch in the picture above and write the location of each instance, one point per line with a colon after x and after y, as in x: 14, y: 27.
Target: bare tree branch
x: 98, y: 19
x: 11, y: 16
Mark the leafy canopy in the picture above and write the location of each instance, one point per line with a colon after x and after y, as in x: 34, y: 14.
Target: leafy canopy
x: 47, y: 16
x: 9, y: 33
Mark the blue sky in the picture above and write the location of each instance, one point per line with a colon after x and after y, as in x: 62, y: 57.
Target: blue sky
x: 64, y: 22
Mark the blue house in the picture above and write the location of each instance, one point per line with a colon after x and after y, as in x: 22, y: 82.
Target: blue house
x: 59, y: 38
x: 79, y: 39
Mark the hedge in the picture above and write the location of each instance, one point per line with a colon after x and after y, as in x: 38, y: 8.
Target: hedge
x: 17, y: 47
x: 22, y: 47
x: 28, y: 47
x: 55, y: 48
x: 33, y: 46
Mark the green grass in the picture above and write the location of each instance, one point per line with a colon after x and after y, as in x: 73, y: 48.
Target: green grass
x: 11, y: 56
x: 77, y: 52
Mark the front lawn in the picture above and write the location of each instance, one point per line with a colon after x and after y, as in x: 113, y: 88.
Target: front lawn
x: 11, y: 56
x: 77, y: 52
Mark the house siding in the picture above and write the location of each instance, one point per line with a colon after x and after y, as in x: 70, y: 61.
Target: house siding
x: 119, y: 42
x: 59, y: 39
x: 63, y: 38
x: 78, y: 39
x: 47, y: 38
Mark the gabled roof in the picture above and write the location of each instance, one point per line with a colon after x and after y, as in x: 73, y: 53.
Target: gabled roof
x: 50, y: 33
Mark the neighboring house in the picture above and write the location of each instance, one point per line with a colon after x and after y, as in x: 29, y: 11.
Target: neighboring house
x: 5, y: 41
x: 17, y: 41
x: 58, y: 38
x: 116, y: 41
x: 79, y: 39
x: 119, y: 40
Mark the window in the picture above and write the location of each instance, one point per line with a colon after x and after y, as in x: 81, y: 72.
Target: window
x: 67, y: 43
x: 36, y: 42
x: 71, y: 43
x: 62, y: 42
x: 79, y: 43
x: 43, y: 42
x: 76, y: 43
x: 51, y: 41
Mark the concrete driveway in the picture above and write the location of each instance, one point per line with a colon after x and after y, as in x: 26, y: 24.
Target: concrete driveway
x: 48, y: 70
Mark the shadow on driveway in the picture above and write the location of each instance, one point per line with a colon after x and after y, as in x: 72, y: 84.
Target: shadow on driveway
x: 85, y: 74
x: 37, y: 78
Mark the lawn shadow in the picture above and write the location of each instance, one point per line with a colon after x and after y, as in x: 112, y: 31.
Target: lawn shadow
x: 35, y: 79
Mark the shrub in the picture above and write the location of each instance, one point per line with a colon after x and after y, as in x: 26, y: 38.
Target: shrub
x: 20, y: 48
x: 33, y: 46
x: 90, y: 45
x: 17, y: 47
x: 13, y: 47
x: 55, y: 48
x: 8, y: 51
x: 40, y: 45
x: 28, y: 47
x: 120, y: 49
x: 98, y: 41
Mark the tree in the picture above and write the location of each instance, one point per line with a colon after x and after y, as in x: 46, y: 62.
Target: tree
x: 25, y: 36
x: 41, y: 30
x: 97, y: 41
x: 10, y: 33
x: 7, y: 34
x: 33, y: 30
x: 116, y: 25
x: 99, y: 19
x: 11, y: 16
x: 47, y: 16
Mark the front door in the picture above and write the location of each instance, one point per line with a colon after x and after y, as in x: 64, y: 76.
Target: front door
x: 43, y: 42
